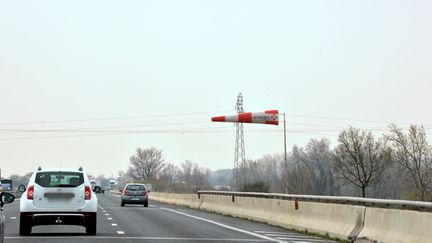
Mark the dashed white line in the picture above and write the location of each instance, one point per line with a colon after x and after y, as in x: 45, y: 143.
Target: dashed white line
x: 107, y: 214
x: 103, y: 211
x: 114, y: 225
x: 109, y: 218
x: 120, y: 232
x: 13, y: 217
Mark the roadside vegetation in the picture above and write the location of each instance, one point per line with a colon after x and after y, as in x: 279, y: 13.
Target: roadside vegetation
x: 395, y: 165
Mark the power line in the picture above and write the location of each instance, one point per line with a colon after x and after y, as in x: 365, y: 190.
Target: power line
x: 349, y: 119
x: 109, y: 118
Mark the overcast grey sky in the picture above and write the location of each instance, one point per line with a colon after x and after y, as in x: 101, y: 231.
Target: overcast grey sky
x: 166, y: 67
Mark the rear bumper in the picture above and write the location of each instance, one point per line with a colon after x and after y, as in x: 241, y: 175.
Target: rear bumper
x: 134, y: 199
x: 28, y: 206
x: 59, y: 218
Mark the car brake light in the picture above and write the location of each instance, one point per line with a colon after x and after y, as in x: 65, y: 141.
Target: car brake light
x: 125, y: 192
x: 30, y: 192
x: 87, y: 193
x: 144, y: 193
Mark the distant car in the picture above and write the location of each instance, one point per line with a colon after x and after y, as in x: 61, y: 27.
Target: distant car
x: 57, y: 197
x: 134, y: 194
x: 5, y: 198
x: 98, y: 189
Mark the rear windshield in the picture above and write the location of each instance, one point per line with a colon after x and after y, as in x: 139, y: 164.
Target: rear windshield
x: 135, y: 188
x: 59, y: 179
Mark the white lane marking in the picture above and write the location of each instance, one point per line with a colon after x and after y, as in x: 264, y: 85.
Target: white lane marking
x: 115, y: 195
x: 13, y: 217
x: 114, y: 225
x: 103, y: 211
x: 271, y: 232
x: 298, y: 240
x: 120, y: 232
x: 292, y: 236
x: 109, y: 218
x: 224, y: 225
x: 137, y: 238
x: 151, y: 206
x: 107, y: 214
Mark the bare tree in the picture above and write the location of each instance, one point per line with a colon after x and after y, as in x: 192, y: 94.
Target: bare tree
x: 167, y: 179
x: 359, y: 159
x: 194, y: 177
x: 308, y: 170
x: 146, y: 164
x: 413, y: 152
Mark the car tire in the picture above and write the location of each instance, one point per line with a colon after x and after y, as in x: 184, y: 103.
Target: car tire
x: 146, y: 204
x: 122, y: 204
x: 91, y: 225
x: 25, y: 226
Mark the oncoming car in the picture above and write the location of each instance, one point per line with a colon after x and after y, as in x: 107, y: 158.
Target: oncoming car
x: 134, y: 194
x: 58, y: 197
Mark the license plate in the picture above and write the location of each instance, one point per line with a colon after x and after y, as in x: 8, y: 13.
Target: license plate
x: 135, y: 198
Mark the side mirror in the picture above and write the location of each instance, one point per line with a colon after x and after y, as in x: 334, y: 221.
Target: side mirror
x: 5, y: 198
x: 21, y: 188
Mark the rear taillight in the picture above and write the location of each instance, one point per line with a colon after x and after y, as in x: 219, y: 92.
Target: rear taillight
x: 125, y: 192
x: 30, y: 192
x: 144, y: 193
x: 87, y: 193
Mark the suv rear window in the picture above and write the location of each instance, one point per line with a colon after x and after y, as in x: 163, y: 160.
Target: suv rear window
x: 59, y: 179
x: 135, y: 188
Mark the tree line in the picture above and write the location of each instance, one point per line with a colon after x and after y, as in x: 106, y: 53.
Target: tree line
x: 396, y: 165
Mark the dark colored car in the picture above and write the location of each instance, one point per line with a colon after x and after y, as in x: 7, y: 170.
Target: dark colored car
x: 134, y: 194
x: 5, y: 198
x: 98, y: 189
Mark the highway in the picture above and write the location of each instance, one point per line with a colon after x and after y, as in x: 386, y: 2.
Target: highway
x: 157, y: 223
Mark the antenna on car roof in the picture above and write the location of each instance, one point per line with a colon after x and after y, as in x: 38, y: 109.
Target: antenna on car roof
x: 39, y: 168
x: 80, y: 168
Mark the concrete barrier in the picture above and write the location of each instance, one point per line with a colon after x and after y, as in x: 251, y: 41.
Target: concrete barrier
x: 189, y: 200
x: 333, y: 220
x: 359, y: 219
x: 396, y: 226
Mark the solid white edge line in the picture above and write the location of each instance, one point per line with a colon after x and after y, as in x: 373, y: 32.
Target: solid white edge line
x: 224, y: 225
x: 271, y: 232
x: 117, y: 237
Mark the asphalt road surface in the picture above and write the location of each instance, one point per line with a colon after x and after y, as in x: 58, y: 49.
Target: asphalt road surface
x: 157, y: 223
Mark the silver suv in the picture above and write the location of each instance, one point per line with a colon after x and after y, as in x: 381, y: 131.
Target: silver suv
x: 57, y: 197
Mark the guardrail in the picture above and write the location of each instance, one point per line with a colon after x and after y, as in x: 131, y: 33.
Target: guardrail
x: 359, y: 201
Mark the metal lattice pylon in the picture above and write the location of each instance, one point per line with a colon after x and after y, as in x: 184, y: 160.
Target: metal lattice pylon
x: 239, y: 154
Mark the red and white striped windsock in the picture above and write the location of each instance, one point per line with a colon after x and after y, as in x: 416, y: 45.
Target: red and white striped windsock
x: 266, y: 117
